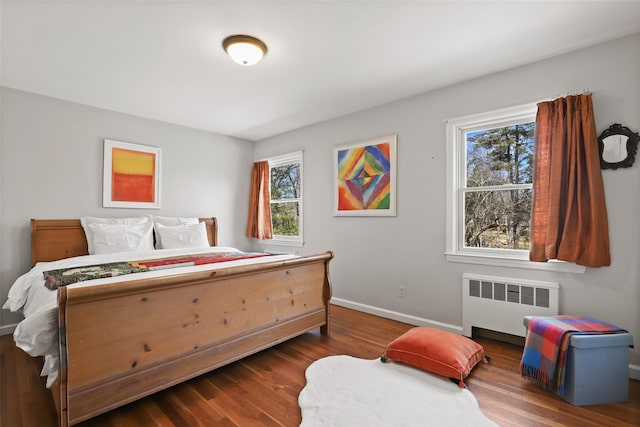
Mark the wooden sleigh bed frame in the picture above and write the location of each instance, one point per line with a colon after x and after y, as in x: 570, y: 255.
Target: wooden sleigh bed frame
x: 123, y: 341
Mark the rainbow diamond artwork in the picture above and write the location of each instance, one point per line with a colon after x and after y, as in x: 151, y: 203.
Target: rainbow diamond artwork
x: 365, y: 178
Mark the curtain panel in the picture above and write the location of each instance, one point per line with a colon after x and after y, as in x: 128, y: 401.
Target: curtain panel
x: 569, y: 214
x: 259, y: 218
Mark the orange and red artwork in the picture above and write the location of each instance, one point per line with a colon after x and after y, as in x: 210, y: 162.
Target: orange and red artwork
x: 131, y: 175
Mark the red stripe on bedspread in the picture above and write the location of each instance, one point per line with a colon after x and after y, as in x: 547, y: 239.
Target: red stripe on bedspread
x: 196, y: 259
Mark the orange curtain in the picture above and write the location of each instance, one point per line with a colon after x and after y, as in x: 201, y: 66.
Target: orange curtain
x: 569, y: 215
x: 259, y: 221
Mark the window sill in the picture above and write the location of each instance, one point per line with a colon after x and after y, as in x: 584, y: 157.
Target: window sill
x: 277, y: 242
x: 551, y: 265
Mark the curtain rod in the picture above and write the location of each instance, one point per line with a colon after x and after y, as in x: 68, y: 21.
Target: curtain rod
x: 572, y: 93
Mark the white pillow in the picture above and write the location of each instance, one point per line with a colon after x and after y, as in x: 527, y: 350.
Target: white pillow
x: 170, y: 221
x: 182, y: 236
x: 88, y: 220
x: 110, y: 238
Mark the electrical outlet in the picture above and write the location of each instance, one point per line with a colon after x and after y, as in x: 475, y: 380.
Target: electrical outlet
x: 402, y: 291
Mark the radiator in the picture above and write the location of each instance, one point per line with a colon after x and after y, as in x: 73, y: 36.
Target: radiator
x: 500, y: 303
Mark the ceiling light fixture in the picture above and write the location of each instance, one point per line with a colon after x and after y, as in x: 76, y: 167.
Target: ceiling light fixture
x: 245, y: 50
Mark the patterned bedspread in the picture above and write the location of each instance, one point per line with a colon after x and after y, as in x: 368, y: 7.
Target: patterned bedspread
x: 545, y: 352
x: 55, y: 278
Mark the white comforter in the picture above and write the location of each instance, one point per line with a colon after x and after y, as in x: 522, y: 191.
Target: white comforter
x: 37, y: 334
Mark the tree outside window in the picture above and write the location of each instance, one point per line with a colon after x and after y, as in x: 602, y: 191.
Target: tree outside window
x: 286, y: 197
x: 497, y: 194
x: 285, y: 193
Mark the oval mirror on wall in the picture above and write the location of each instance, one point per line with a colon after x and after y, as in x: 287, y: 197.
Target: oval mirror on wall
x: 618, y: 146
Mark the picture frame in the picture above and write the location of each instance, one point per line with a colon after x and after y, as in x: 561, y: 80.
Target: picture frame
x: 365, y: 177
x: 131, y: 175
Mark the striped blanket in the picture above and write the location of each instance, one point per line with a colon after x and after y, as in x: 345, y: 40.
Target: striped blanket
x: 545, y: 351
x: 53, y: 279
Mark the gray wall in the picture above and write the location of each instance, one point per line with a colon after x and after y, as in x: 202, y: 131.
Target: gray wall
x: 51, y: 167
x: 376, y: 255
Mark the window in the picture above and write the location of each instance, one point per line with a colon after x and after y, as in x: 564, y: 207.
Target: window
x: 286, y: 198
x: 496, y: 188
x: 489, y: 188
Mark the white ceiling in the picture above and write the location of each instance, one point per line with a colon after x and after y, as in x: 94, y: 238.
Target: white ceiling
x: 164, y: 60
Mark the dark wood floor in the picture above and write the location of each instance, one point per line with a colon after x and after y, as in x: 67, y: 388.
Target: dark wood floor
x: 263, y: 389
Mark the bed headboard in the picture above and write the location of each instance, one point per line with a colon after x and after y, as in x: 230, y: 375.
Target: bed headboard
x: 54, y: 239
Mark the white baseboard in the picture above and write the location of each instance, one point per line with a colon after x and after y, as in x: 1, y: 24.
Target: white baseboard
x: 634, y: 370
x: 8, y: 329
x: 394, y: 315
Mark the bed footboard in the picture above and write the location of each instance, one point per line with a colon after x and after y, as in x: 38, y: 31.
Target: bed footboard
x: 123, y: 341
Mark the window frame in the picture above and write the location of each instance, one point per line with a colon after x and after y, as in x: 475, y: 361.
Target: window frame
x: 456, y: 168
x: 282, y: 160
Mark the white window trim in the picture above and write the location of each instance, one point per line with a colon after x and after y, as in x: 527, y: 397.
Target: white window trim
x: 284, y: 159
x: 455, y: 173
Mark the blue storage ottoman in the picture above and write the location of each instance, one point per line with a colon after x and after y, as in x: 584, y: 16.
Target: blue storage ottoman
x: 597, y: 369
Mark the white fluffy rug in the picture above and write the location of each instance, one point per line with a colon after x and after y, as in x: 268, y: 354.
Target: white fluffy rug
x: 346, y: 391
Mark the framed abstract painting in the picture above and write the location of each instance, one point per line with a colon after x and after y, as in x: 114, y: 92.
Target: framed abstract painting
x: 365, y: 177
x: 131, y: 176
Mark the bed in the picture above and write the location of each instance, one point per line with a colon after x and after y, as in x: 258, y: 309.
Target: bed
x: 120, y: 339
